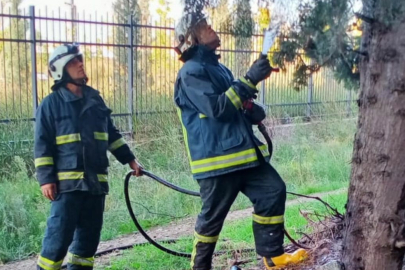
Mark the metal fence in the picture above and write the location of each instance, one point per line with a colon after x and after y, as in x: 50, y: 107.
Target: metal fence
x: 134, y: 66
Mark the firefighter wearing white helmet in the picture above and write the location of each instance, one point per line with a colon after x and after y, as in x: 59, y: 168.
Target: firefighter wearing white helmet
x: 186, y: 33
x: 225, y: 155
x: 73, y: 132
x: 58, y: 60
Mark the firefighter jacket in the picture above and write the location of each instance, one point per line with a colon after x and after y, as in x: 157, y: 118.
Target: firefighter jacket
x: 218, y: 137
x: 72, y: 136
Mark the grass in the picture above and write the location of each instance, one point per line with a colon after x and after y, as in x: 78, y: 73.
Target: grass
x: 235, y: 235
x: 316, y: 157
x: 310, y: 158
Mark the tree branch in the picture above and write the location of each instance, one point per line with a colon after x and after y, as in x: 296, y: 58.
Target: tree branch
x: 293, y: 241
x: 328, y: 206
x: 357, y: 51
x: 365, y: 18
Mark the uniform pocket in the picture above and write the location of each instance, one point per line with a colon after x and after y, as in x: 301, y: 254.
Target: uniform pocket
x: 231, y: 142
x: 67, y: 162
x: 65, y: 125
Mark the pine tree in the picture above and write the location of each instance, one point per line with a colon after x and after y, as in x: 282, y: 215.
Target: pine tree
x: 321, y: 34
x: 243, y: 27
x: 123, y: 9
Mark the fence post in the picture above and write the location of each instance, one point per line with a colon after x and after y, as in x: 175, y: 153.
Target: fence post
x: 33, y: 61
x: 310, y: 93
x: 349, y: 103
x: 130, y: 72
x: 262, y: 93
x: 263, y: 85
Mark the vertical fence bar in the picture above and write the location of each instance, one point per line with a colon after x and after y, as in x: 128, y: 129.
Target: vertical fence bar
x: 263, y: 84
x: 33, y: 61
x: 262, y: 92
x: 130, y: 72
x: 349, y: 103
x: 310, y: 94
x: 136, y: 60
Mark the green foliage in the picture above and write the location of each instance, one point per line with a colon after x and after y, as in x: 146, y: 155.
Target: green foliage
x: 392, y: 11
x: 221, y: 16
x: 22, y: 213
x: 243, y: 24
x: 15, y: 72
x: 13, y: 142
x: 242, y: 30
x: 122, y: 10
x: 320, y: 38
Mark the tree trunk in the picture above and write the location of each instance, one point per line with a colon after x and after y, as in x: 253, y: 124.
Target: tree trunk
x: 375, y: 219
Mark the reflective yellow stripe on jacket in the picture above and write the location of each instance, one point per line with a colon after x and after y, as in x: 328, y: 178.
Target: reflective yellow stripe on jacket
x: 226, y: 161
x: 79, y: 176
x: 102, y: 136
x: 117, y: 144
x: 102, y: 177
x: 221, y: 162
x: 43, y: 161
x: 234, y: 98
x: 70, y: 176
x: 185, y: 134
x: 264, y: 149
x: 69, y: 138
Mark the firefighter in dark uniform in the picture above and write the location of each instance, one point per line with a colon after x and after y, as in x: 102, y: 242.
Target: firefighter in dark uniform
x: 73, y: 131
x: 225, y: 156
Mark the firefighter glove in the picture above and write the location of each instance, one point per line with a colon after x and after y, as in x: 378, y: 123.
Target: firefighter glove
x: 254, y: 112
x: 259, y: 71
x: 244, y: 89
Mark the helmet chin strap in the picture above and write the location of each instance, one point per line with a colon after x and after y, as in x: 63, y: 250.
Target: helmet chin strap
x: 67, y: 79
x: 78, y: 82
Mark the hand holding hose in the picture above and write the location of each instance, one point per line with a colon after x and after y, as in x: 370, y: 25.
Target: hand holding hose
x: 136, y: 167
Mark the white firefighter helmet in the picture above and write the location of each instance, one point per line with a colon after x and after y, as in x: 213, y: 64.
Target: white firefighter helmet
x: 184, y: 31
x: 60, y: 57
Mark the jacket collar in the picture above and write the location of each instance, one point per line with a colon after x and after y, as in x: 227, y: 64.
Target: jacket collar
x: 68, y: 96
x: 90, y: 97
x: 205, y: 54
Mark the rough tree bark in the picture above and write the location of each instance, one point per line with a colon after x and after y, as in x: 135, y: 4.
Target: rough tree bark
x: 375, y: 219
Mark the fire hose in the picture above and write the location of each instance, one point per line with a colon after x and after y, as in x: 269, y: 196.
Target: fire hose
x: 262, y: 129
x: 152, y: 176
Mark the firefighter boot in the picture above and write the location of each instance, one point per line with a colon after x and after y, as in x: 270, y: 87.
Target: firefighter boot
x: 286, y: 259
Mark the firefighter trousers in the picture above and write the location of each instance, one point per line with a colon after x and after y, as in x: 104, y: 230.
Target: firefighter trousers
x: 74, y: 224
x: 267, y: 192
